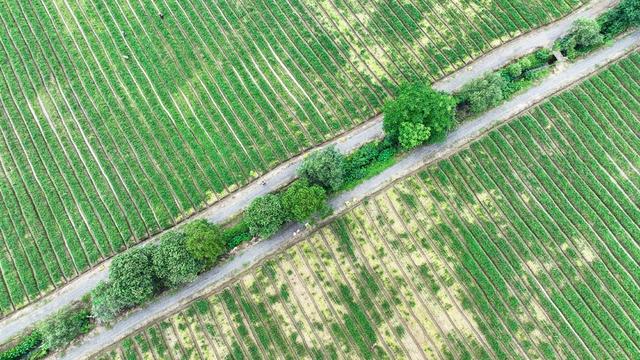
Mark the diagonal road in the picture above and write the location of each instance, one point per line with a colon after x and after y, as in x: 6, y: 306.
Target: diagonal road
x: 460, y: 138
x: 285, y: 173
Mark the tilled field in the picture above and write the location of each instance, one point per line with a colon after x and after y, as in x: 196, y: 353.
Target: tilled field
x: 524, y: 245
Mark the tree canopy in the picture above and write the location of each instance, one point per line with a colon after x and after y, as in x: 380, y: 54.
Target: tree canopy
x: 414, y: 104
x: 265, y: 215
x: 204, y: 240
x: 132, y: 277
x: 324, y: 168
x: 173, y: 264
x: 302, y: 200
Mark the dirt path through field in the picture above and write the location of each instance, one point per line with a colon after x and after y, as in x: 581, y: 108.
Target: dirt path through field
x: 283, y: 174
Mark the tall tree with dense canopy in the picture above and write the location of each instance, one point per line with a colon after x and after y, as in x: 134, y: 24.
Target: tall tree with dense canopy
x: 132, y: 277
x: 173, y: 264
x: 265, y: 215
x: 302, y: 200
x: 204, y: 240
x: 325, y: 168
x: 415, y: 104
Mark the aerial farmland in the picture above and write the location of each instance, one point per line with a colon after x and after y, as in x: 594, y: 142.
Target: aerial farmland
x: 320, y: 179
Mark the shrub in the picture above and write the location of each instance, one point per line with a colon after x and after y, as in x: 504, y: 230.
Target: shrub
x: 368, y: 160
x: 514, y: 70
x: 173, y: 263
x: 204, y: 241
x: 265, y: 215
x: 324, y: 168
x: 24, y: 347
x: 302, y: 200
x: 236, y: 234
x: 418, y: 103
x: 63, y: 327
x: 484, y: 93
x: 105, y: 306
x: 131, y: 276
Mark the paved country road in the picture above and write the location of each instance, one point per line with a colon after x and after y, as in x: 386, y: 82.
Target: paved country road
x: 285, y: 173
x: 458, y: 139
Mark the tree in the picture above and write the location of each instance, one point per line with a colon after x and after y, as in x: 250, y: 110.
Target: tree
x: 484, y: 93
x: 585, y: 33
x: 418, y: 103
x: 265, y: 215
x: 173, y: 264
x: 412, y: 135
x: 63, y: 327
x: 131, y: 275
x: 325, y: 168
x: 302, y: 200
x: 630, y: 10
x: 204, y: 240
x: 105, y: 306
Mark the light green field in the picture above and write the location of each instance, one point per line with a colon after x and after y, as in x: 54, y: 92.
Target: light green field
x: 116, y: 123
x: 524, y: 245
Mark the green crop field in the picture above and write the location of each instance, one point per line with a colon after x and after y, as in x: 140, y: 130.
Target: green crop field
x: 524, y: 245
x: 119, y: 118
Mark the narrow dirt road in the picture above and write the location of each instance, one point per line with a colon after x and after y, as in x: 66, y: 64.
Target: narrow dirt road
x: 285, y: 173
x: 458, y: 139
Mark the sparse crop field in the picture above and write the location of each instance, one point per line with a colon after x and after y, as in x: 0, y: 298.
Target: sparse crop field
x: 524, y: 245
x: 119, y: 118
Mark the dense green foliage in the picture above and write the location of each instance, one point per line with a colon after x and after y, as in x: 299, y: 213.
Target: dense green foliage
x: 204, y: 240
x: 302, y: 200
x: 132, y: 277
x: 265, y: 215
x: 412, y: 135
x: 173, y: 263
x: 236, y: 234
x: 418, y: 113
x: 65, y: 326
x: 26, y: 345
x: 324, y: 167
x: 368, y: 160
x: 105, y: 304
x: 620, y: 18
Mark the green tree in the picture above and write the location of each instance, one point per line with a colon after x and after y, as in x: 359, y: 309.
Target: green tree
x: 63, y: 327
x: 585, y: 33
x: 131, y: 275
x: 265, y: 215
x: 325, y: 168
x: 418, y: 103
x: 173, y: 264
x: 105, y: 305
x: 484, y: 93
x: 620, y: 18
x: 412, y: 135
x: 302, y: 200
x: 205, y: 240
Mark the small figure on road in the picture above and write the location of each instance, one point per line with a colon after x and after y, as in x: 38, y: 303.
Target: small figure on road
x: 161, y: 16
x: 263, y: 183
